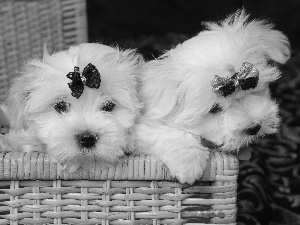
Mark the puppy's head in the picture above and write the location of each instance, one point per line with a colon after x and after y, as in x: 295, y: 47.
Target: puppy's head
x: 182, y: 87
x: 93, y: 127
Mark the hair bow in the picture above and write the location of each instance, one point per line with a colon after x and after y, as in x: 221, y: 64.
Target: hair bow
x: 89, y: 77
x: 245, y: 79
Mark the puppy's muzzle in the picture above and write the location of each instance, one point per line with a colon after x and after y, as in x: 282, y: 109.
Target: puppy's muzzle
x: 87, y: 139
x: 209, y: 144
x: 253, y: 129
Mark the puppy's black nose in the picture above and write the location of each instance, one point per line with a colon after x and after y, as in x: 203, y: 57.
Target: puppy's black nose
x: 87, y: 139
x: 253, y: 130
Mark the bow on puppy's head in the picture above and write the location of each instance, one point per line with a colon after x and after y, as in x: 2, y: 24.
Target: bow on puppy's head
x: 247, y: 78
x: 89, y: 77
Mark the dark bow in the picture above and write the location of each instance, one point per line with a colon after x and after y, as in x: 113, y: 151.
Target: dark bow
x: 90, y: 77
x: 245, y: 79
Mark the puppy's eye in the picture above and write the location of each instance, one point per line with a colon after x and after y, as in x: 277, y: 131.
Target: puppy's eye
x: 216, y: 108
x: 62, y: 107
x: 108, y: 106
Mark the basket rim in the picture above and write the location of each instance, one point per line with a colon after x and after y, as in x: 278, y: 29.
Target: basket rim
x: 36, y: 165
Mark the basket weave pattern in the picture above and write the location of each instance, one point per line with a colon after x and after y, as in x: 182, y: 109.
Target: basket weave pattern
x: 26, y: 25
x: 139, y: 190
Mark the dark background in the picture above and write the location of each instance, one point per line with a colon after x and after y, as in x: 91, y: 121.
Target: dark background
x: 154, y: 25
x: 269, y: 183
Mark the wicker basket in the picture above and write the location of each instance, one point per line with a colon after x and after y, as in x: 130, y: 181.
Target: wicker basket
x: 34, y: 189
x: 25, y: 25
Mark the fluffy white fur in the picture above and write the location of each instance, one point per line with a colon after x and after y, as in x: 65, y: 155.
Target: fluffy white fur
x: 36, y: 126
x: 176, y: 89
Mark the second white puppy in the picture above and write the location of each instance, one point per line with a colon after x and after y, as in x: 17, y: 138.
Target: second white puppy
x: 211, y: 92
x: 78, y: 105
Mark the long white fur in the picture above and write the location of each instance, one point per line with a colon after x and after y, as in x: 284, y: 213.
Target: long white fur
x: 176, y: 90
x: 35, y: 123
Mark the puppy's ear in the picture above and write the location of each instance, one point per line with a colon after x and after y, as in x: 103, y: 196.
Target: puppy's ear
x: 16, y: 103
x: 159, y: 88
x: 258, y: 37
x: 128, y: 63
x: 131, y: 57
x: 18, y: 97
x: 173, y: 94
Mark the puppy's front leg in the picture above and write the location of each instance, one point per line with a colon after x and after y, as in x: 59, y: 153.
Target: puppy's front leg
x: 185, y: 157
x: 180, y: 151
x: 189, y: 168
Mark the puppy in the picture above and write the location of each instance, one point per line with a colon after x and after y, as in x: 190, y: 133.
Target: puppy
x: 211, y: 92
x: 78, y: 105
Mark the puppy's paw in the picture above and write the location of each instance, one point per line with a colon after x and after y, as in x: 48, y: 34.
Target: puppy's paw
x: 189, y: 168
x: 188, y: 173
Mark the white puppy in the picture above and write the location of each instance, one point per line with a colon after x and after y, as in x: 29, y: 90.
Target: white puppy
x: 211, y: 92
x: 78, y: 105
